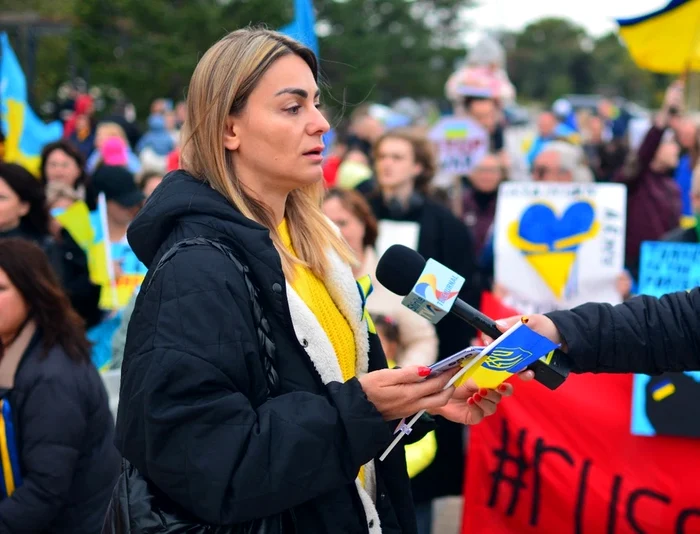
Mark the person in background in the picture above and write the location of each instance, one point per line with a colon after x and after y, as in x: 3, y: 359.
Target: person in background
x: 404, y: 167
x: 691, y: 234
x: 104, y: 132
x: 653, y: 197
x: 689, y: 141
x: 84, y: 107
x: 593, y: 145
x: 349, y: 211
x: 64, y: 429
x: 180, y: 114
x: 546, y: 132
x: 147, y: 183
x: 155, y: 144
x: 83, y: 136
x: 480, y: 193
x: 62, y: 163
x: 24, y: 214
x: 485, y: 111
x: 559, y: 161
x: 124, y: 115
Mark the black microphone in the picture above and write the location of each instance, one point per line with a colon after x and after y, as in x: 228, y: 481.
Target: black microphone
x: 399, y: 269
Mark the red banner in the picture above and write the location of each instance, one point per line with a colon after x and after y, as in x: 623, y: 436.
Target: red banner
x: 564, y: 461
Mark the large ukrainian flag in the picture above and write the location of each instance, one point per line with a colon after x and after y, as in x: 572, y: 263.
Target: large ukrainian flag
x: 25, y: 133
x: 667, y: 40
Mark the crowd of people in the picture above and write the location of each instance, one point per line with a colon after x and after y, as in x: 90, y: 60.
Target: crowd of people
x: 65, y: 314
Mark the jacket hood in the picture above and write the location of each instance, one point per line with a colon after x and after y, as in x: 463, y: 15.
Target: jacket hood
x: 181, y: 201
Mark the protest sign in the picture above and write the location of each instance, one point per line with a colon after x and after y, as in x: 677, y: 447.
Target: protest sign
x: 461, y: 144
x: 558, y: 245
x: 668, y: 404
x: 564, y: 462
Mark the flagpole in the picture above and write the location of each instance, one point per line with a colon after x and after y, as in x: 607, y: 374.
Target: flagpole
x: 102, y: 208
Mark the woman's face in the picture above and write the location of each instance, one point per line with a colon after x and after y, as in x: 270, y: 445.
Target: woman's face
x: 395, y: 163
x: 276, y: 140
x: 13, y: 308
x: 12, y: 208
x: 351, y: 227
x: 60, y: 167
x: 487, y: 175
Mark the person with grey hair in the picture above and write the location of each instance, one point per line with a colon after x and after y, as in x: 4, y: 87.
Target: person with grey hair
x: 560, y: 161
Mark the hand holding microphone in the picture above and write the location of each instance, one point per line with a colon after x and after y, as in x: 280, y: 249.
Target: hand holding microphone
x: 400, y: 269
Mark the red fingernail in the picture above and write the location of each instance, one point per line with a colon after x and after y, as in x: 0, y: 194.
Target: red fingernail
x: 483, y: 392
x: 470, y: 401
x: 502, y: 387
x: 477, y: 397
x: 423, y: 371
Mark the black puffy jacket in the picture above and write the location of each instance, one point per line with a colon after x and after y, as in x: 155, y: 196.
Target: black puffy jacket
x: 66, y: 443
x: 194, y: 418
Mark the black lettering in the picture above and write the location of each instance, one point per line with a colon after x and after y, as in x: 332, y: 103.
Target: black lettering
x: 540, y: 450
x: 499, y: 475
x: 614, y: 500
x: 683, y: 517
x: 632, y: 501
x: 581, y: 500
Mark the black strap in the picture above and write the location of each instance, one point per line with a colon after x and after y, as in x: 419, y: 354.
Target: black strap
x: 262, y: 325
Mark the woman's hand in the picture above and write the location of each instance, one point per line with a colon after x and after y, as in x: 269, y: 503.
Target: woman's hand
x: 469, y: 404
x: 399, y: 393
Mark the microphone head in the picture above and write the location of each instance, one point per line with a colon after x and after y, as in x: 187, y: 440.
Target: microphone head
x: 399, y: 268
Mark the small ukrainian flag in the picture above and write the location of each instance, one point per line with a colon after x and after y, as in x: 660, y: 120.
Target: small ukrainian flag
x: 663, y: 390
x: 454, y: 133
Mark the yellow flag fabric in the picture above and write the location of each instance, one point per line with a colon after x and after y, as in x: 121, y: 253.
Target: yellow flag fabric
x: 665, y: 41
x: 76, y: 220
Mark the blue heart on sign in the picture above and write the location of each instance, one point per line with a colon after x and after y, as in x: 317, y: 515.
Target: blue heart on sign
x: 540, y: 225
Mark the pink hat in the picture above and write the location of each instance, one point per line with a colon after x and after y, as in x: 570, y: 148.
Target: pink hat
x: 114, y: 151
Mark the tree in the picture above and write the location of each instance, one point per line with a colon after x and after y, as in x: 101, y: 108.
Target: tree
x: 549, y: 59
x: 615, y: 72
x: 385, y: 49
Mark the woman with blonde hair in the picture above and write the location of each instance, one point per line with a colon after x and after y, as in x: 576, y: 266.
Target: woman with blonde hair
x: 254, y: 394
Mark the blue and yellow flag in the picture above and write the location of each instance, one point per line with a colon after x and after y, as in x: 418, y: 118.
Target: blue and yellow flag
x: 303, y: 27
x: 10, y: 475
x: 516, y: 349
x: 25, y: 133
x: 666, y: 40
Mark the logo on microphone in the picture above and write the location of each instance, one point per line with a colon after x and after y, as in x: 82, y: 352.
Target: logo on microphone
x: 505, y: 359
x: 430, y: 281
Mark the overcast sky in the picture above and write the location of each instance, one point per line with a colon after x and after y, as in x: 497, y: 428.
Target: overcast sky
x: 597, y: 16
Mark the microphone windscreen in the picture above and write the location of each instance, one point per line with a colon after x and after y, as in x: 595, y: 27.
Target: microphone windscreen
x: 399, y: 268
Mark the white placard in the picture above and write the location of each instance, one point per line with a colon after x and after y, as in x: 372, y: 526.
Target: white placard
x: 461, y: 144
x: 396, y: 233
x: 559, y: 245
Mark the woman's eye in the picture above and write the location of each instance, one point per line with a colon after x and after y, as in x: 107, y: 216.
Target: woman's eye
x: 293, y: 110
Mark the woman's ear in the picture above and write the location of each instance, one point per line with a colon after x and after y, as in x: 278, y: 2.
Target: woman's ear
x: 231, y: 139
x: 24, y: 208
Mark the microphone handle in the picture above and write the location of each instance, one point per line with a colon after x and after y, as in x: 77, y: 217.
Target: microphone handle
x: 551, y: 373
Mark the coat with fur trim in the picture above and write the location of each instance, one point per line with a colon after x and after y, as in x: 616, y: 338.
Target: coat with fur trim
x: 193, y: 416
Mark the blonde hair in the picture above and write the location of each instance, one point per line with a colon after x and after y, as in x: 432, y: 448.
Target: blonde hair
x: 220, y: 86
x: 106, y: 130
